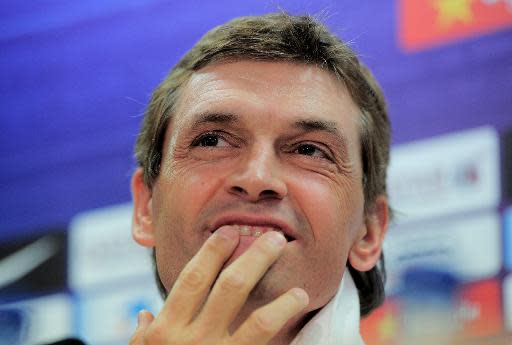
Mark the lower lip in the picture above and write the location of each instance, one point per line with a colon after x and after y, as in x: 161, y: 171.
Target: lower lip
x: 243, y: 244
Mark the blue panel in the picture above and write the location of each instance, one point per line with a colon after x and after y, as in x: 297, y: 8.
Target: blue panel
x: 507, y: 237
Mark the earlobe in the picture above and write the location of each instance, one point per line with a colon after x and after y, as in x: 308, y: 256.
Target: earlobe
x: 142, y: 221
x: 366, y: 250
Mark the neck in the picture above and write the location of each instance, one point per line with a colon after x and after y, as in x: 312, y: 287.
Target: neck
x: 287, y: 333
x: 291, y: 329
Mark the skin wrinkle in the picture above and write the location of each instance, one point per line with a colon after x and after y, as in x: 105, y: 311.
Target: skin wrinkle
x: 342, y: 166
x: 301, y: 126
x: 191, y: 188
x: 337, y: 208
x: 218, y: 92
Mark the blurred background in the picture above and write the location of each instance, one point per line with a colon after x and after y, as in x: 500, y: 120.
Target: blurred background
x: 75, y: 79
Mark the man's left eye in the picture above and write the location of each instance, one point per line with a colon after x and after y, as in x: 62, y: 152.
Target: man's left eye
x: 311, y: 150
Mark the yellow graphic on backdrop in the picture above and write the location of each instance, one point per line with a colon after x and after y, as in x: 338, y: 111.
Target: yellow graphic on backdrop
x: 452, y: 11
x: 387, y: 328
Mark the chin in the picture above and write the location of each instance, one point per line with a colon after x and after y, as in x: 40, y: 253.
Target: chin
x: 269, y: 288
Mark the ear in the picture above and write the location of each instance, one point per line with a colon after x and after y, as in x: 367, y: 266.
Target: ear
x: 366, y: 250
x: 142, y: 221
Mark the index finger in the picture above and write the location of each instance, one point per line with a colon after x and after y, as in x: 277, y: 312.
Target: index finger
x: 236, y: 282
x: 196, y: 278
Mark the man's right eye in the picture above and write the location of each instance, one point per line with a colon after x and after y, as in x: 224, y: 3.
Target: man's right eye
x: 210, y: 140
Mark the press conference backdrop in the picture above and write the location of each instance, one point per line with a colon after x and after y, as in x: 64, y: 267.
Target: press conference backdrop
x: 75, y: 79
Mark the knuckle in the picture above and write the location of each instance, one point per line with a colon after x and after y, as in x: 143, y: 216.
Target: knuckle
x: 192, y: 278
x: 262, y: 324
x: 214, y: 248
x: 267, y: 249
x: 155, y: 335
x: 212, y: 244
x: 194, y: 339
x: 231, y: 280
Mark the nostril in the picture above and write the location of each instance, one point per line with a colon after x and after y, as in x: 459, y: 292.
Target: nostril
x: 238, y: 189
x: 268, y: 193
x: 254, y: 195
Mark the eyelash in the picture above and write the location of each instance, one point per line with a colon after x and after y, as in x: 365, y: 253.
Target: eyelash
x: 325, y: 152
x: 197, y: 141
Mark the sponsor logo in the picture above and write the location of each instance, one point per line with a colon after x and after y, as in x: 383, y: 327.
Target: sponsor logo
x: 432, y: 22
x: 445, y: 175
x: 37, y: 321
x: 479, y: 310
x: 382, y: 326
x: 472, y: 311
x: 102, y: 251
x: 469, y: 248
x: 118, y: 306
x: 27, y: 263
x: 13, y: 325
x: 23, y: 261
x: 507, y: 236
x: 507, y: 301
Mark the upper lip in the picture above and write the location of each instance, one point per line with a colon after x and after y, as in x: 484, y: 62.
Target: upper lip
x: 254, y: 220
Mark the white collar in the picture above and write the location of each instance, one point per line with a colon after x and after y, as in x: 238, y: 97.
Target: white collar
x: 338, y: 321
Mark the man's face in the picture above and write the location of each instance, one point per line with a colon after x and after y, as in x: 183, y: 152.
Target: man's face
x: 265, y: 145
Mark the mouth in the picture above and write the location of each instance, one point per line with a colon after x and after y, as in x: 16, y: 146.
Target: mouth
x: 251, y: 226
x: 256, y: 230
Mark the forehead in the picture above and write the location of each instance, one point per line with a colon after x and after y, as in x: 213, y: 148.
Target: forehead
x: 273, y: 90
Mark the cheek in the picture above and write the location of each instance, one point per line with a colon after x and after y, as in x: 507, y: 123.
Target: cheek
x: 177, y: 202
x: 185, y: 190
x: 333, y: 211
x: 333, y: 208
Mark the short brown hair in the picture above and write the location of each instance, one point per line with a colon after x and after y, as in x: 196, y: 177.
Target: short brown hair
x: 283, y: 37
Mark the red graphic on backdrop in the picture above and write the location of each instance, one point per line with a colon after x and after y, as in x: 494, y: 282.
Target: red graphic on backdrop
x: 479, y: 309
x: 426, y: 23
x: 382, y: 327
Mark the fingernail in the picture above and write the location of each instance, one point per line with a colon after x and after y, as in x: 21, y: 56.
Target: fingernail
x: 227, y: 232
x: 276, y: 238
x: 301, y: 295
x: 142, y: 318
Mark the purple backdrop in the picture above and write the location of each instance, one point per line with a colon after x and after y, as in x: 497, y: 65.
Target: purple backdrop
x: 76, y: 77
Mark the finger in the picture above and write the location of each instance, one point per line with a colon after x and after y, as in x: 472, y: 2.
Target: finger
x: 236, y: 281
x: 144, y: 319
x: 196, y: 278
x: 264, y: 323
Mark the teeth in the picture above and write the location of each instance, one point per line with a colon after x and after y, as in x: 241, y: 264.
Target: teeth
x: 245, y: 230
x: 256, y: 231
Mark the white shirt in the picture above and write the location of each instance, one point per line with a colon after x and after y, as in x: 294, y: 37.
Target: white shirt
x: 338, y: 321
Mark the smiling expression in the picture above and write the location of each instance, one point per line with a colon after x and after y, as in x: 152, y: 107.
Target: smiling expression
x: 267, y: 145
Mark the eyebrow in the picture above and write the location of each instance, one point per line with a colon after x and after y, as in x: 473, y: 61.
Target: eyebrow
x: 305, y: 125
x: 309, y: 125
x: 221, y: 118
x: 316, y: 125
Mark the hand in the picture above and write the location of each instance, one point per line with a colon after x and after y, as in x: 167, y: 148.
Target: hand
x: 182, y: 321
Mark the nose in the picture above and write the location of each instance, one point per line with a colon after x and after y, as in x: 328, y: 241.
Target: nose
x: 258, y: 176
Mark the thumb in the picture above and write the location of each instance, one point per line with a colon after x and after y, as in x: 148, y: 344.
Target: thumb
x: 144, y: 319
